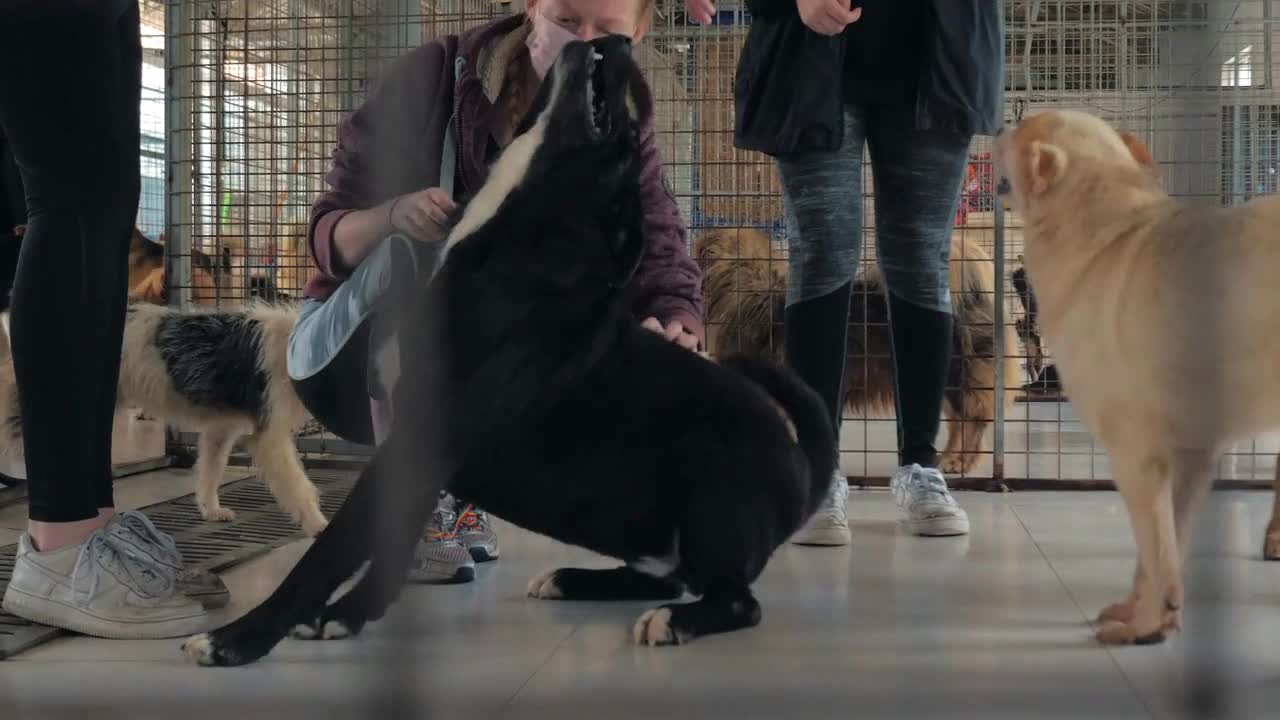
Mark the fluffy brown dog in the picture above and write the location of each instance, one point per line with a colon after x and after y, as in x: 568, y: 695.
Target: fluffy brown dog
x: 745, y: 283
x: 146, y: 273
x: 1165, y: 320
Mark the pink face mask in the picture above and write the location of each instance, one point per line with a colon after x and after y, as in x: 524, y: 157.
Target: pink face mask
x: 545, y: 42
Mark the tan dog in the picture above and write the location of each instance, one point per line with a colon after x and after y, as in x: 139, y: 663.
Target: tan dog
x: 1165, y: 319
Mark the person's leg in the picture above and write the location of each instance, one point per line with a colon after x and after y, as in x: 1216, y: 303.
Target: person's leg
x: 822, y: 194
x: 81, y: 177
x: 72, y: 119
x: 342, y: 367
x: 917, y: 179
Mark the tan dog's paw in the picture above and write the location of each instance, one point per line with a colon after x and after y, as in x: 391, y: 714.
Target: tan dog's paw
x: 313, y: 521
x: 1271, y: 546
x: 1116, y: 633
x: 954, y: 463
x: 1129, y: 633
x: 1121, y: 612
x: 218, y: 514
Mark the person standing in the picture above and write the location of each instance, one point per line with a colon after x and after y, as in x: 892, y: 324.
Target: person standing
x: 913, y: 81
x: 71, y: 118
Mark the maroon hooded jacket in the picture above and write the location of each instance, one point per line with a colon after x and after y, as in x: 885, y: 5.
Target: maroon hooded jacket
x: 392, y: 145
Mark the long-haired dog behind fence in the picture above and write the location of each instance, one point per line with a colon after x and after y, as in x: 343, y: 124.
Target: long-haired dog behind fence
x: 220, y: 373
x: 745, y: 283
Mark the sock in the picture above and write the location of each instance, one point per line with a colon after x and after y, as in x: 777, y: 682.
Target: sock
x: 921, y: 354
x: 814, y: 337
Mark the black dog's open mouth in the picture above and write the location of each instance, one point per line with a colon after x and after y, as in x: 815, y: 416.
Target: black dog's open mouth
x: 596, y: 97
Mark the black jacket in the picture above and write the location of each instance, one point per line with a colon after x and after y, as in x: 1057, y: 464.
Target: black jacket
x: 788, y: 91
x: 13, y: 200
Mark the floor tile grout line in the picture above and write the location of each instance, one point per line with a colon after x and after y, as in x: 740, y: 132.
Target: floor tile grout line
x: 1128, y: 681
x: 545, y: 661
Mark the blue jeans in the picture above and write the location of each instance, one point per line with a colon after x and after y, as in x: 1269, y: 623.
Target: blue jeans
x: 333, y: 344
x: 917, y: 175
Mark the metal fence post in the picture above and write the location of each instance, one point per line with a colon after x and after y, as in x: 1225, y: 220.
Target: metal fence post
x: 177, y: 151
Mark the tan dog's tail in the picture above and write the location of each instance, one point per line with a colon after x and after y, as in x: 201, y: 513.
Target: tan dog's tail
x: 744, y: 283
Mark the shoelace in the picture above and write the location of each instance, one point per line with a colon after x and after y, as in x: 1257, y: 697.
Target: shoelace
x: 112, y: 552
x: 929, y: 482
x: 141, y: 526
x: 441, y: 519
x: 470, y: 519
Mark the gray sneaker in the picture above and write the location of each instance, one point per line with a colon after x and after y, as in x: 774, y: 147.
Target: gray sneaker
x: 830, y: 524
x: 475, y: 533
x: 439, y: 557
x: 926, y: 504
x: 197, y: 584
x: 109, y: 586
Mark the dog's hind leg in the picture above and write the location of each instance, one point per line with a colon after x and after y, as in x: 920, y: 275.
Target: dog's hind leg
x: 621, y: 583
x: 214, y: 447
x: 277, y: 458
x: 1271, y: 543
x: 1146, y: 483
x: 721, y: 609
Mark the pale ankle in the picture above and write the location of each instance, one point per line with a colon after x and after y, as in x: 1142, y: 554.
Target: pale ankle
x: 51, y: 536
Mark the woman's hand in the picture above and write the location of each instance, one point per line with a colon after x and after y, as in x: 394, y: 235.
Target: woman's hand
x: 423, y: 215
x: 674, y: 331
x: 827, y: 17
x: 700, y: 10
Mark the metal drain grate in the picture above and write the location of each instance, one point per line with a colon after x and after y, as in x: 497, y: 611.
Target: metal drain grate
x: 258, y: 528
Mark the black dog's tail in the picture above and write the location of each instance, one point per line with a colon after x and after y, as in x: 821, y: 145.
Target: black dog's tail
x: 808, y: 414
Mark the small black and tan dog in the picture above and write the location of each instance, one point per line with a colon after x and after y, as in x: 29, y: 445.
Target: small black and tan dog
x: 524, y: 356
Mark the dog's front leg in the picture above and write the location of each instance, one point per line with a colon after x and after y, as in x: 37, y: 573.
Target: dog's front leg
x: 405, y: 499
x: 337, y: 554
x: 1271, y: 543
x: 1145, y: 483
x: 368, y: 544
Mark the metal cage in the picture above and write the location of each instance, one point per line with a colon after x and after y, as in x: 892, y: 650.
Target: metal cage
x: 248, y: 93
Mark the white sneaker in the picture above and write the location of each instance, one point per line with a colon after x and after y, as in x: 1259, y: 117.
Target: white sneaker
x: 926, y: 504
x: 107, y: 587
x: 830, y: 524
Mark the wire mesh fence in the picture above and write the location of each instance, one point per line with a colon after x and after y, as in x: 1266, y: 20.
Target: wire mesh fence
x: 241, y: 99
x: 255, y: 90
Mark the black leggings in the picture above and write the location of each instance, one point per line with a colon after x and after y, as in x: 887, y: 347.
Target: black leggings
x: 69, y: 104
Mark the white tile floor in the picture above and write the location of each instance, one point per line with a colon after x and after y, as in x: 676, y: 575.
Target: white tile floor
x: 990, y: 626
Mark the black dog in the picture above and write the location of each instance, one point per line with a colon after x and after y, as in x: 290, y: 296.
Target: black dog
x: 523, y: 355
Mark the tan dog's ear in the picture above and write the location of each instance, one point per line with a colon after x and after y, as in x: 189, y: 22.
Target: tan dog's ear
x: 1139, y: 152
x: 1046, y: 164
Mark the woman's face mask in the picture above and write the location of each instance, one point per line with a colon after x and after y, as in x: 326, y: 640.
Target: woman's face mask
x: 545, y: 42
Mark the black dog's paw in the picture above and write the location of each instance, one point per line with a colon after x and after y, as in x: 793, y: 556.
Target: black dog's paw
x: 240, y: 643
x: 337, y: 621
x: 321, y: 630
x: 544, y: 587
x: 209, y: 651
